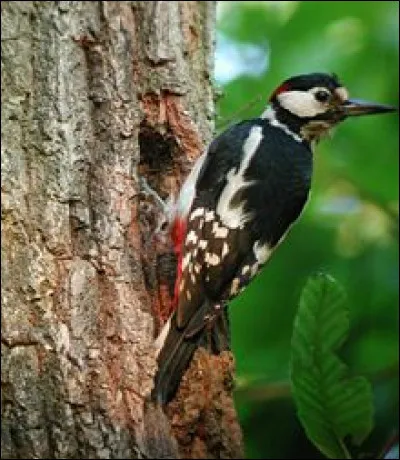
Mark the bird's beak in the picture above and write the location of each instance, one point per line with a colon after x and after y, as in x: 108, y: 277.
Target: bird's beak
x: 357, y: 107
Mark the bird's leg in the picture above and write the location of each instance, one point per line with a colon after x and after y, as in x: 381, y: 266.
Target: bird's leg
x: 157, y: 254
x: 158, y: 215
x: 145, y: 189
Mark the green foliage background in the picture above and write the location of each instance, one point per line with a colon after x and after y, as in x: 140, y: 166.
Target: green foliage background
x: 350, y: 225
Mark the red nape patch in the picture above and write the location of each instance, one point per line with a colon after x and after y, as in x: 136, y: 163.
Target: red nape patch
x: 281, y: 89
x: 178, y: 233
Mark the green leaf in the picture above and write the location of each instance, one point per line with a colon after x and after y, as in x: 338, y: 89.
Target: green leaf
x: 331, y: 405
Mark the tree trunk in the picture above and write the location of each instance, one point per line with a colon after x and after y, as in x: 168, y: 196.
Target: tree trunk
x: 96, y: 95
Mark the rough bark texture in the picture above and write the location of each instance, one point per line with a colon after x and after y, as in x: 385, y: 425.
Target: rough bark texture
x: 94, y: 96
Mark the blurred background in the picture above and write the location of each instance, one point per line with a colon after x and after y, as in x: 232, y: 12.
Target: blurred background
x: 350, y: 225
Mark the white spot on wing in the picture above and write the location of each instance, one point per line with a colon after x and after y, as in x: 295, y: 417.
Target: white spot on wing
x: 191, y: 237
x: 186, y: 260
x: 210, y: 216
x: 254, y: 269
x: 236, y: 217
x: 211, y: 259
x: 203, y: 244
x: 219, y: 232
x: 198, y: 212
x: 262, y: 252
x: 234, y: 286
x: 225, y: 250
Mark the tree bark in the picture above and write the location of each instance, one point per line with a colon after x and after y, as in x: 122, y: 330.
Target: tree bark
x: 96, y: 95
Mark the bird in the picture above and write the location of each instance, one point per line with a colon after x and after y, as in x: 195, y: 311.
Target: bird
x: 236, y: 207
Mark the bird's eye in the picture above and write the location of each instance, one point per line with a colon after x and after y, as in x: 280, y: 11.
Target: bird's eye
x: 322, y: 96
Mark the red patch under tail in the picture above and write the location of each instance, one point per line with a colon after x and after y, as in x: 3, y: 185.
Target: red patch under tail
x: 178, y: 233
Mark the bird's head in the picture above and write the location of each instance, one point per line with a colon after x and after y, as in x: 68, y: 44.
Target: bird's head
x: 310, y: 105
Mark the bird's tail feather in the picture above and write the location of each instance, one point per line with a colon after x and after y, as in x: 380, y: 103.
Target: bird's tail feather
x: 178, y: 346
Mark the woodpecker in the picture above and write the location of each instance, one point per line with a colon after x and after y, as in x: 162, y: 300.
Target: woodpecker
x: 235, y: 208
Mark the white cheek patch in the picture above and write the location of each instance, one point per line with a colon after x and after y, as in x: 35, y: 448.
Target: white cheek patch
x: 301, y: 103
